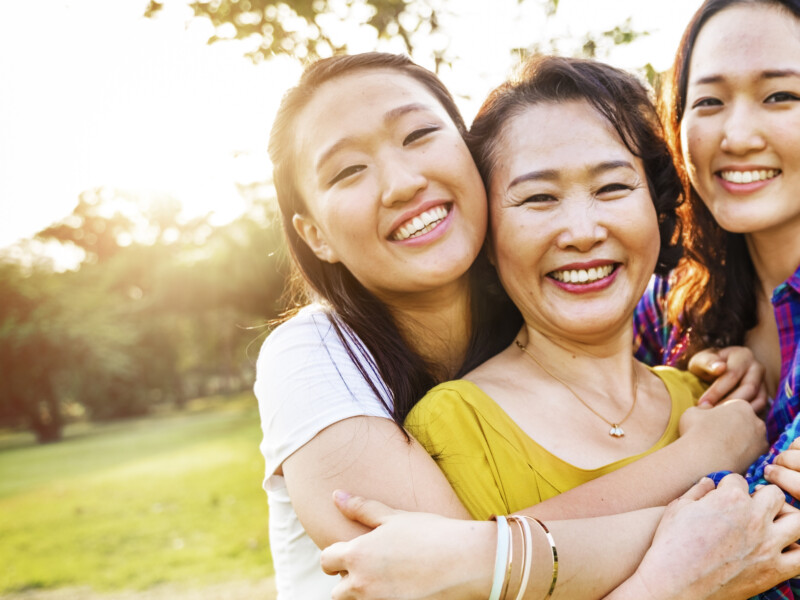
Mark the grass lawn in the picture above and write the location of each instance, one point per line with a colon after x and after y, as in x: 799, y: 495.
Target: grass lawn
x: 175, y: 498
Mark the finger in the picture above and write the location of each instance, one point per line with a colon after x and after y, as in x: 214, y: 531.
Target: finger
x: 698, y: 490
x: 367, y: 512
x: 718, y: 390
x: 769, y: 500
x: 735, y: 481
x: 789, y: 458
x: 787, y: 479
x: 707, y: 364
x: 333, y: 558
x: 761, y: 401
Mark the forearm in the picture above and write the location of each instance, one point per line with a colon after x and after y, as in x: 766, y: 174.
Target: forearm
x: 654, y: 480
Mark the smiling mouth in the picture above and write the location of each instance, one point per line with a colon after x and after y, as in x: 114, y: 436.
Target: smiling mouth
x: 749, y: 176
x: 583, y: 275
x: 421, y: 224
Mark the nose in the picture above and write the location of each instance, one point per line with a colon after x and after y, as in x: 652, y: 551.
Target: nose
x: 582, y: 228
x: 741, y: 132
x: 402, y: 180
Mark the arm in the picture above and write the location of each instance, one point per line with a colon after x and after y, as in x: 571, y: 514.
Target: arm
x: 699, y: 551
x: 414, y: 556
x: 370, y: 456
x: 325, y: 427
x: 726, y: 437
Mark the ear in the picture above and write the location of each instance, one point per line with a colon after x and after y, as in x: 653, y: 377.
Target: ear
x: 314, y: 238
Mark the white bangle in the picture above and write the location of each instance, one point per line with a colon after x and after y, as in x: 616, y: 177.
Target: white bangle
x: 501, y: 557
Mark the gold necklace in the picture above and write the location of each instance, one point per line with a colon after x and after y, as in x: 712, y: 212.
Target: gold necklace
x: 616, y: 428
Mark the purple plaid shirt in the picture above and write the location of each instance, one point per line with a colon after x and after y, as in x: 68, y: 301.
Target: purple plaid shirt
x: 659, y: 343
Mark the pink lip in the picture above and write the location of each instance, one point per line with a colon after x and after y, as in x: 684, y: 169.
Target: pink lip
x: 426, y: 238
x: 586, y: 288
x: 415, y: 212
x: 745, y: 188
x: 600, y: 262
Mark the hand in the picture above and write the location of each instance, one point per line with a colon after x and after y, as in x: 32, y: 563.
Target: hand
x: 730, y: 430
x: 410, y: 555
x: 785, y: 471
x: 719, y: 544
x: 735, y: 373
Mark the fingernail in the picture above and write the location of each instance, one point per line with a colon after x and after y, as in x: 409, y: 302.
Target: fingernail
x: 702, y: 402
x: 758, y: 487
x: 768, y: 470
x: 716, y: 366
x: 341, y: 496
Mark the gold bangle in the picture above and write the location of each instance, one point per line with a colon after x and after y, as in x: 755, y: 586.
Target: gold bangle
x: 554, y: 552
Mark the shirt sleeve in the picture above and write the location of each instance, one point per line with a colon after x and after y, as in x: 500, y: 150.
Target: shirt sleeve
x: 656, y: 341
x: 453, y: 433
x: 306, y: 381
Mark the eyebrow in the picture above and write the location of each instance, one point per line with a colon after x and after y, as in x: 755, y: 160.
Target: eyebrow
x: 771, y: 74
x: 552, y: 174
x: 390, y: 117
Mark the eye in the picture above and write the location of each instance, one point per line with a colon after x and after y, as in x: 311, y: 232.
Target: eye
x: 346, y: 172
x: 781, y: 97
x: 538, y: 199
x: 707, y: 102
x: 614, y: 188
x: 418, y: 133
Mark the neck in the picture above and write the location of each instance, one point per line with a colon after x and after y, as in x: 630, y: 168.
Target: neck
x: 775, y: 257
x: 598, y: 362
x: 436, y: 324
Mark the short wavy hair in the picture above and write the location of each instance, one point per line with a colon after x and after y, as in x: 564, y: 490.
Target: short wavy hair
x: 620, y: 98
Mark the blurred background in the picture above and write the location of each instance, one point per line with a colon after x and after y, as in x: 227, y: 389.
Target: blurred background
x: 141, y: 259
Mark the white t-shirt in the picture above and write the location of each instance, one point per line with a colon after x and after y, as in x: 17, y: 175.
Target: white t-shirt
x: 305, y: 381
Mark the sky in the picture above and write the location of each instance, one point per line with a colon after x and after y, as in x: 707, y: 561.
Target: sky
x: 92, y: 94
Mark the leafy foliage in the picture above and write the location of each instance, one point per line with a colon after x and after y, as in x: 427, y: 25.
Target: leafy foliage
x: 158, y: 312
x: 307, y: 28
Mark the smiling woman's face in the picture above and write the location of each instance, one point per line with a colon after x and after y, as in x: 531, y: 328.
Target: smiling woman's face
x: 740, y: 133
x: 390, y: 188
x: 574, y: 233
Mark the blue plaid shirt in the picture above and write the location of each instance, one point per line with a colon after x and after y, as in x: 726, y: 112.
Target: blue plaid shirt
x: 658, y: 343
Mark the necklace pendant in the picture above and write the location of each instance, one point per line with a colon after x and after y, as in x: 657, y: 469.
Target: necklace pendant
x: 616, y: 431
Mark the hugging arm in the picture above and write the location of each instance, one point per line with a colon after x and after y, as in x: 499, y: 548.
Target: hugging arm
x: 710, y: 544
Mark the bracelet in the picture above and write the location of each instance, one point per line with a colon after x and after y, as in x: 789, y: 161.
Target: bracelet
x: 554, y: 552
x: 501, y: 557
x: 527, y: 556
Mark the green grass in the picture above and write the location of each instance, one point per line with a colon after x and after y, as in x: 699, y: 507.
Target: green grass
x: 130, y: 505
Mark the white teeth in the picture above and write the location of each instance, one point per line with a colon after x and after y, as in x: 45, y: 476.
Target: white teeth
x: 582, y: 275
x: 749, y: 176
x: 420, y: 224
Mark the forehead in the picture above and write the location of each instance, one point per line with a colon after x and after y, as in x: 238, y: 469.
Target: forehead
x: 559, y: 136
x: 746, y: 37
x: 355, y: 105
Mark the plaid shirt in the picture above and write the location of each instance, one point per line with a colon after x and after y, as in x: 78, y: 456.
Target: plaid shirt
x: 659, y: 343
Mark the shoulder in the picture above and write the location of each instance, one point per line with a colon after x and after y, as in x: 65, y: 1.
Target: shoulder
x: 681, y: 385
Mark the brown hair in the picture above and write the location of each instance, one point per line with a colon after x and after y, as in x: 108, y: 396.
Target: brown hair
x: 378, y: 345
x: 616, y: 95
x: 713, y: 290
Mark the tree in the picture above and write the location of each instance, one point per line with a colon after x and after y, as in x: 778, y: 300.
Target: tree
x: 307, y: 28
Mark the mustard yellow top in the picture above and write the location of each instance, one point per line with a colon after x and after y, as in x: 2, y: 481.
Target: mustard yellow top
x: 494, y: 467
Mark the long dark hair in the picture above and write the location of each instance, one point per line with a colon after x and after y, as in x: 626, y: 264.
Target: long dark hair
x: 713, y: 289
x: 379, y: 344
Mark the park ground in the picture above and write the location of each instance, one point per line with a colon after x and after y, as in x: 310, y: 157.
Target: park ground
x: 164, y: 507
